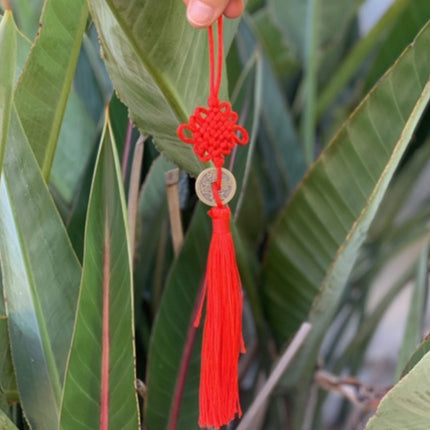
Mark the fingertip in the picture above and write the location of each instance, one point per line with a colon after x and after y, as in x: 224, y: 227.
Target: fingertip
x: 200, y: 14
x: 234, y: 9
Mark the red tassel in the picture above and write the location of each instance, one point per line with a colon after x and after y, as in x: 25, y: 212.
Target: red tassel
x: 222, y: 334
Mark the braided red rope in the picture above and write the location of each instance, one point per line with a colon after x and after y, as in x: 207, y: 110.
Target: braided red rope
x: 214, y: 133
x: 214, y: 130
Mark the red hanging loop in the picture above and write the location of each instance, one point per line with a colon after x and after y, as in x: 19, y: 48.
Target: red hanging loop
x: 214, y: 133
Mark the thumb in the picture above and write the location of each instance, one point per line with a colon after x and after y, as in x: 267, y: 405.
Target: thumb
x: 202, y: 13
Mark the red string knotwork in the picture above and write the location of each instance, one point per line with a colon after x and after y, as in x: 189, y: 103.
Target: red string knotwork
x: 214, y: 131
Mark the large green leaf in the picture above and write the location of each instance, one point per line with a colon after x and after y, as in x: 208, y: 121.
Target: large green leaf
x: 406, y: 406
x: 43, y: 89
x: 41, y: 278
x: 104, y: 329
x: 8, y: 48
x: 170, y: 332
x: 161, y: 74
x: 318, y: 236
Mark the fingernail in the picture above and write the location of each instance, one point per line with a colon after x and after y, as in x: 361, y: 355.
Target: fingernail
x: 200, y: 14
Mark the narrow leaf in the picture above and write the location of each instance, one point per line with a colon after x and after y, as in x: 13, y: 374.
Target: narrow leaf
x: 414, y: 323
x: 42, y: 92
x: 41, y: 278
x: 100, y: 384
x: 8, y: 49
x: 162, y: 74
x: 419, y: 353
x: 318, y: 236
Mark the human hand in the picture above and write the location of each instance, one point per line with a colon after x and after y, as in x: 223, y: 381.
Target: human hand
x: 203, y: 13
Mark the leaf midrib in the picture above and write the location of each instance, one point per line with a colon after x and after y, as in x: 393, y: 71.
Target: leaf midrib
x: 169, y: 95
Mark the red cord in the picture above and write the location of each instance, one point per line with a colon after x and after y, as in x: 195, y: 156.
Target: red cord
x: 214, y: 131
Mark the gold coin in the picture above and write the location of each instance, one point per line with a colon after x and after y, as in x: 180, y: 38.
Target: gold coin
x: 204, y: 186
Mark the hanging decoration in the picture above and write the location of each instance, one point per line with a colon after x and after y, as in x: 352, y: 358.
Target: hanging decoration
x: 214, y: 132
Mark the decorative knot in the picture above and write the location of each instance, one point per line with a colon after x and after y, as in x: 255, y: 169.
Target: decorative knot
x: 213, y: 131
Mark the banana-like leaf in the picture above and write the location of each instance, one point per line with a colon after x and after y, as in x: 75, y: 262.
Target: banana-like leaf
x: 40, y: 278
x: 8, y: 48
x: 158, y: 64
x: 318, y: 236
x: 100, y: 381
x: 43, y: 89
x: 170, y: 333
x: 406, y: 406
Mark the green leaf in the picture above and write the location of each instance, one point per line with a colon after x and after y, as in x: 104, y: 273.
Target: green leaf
x: 291, y: 16
x: 41, y: 278
x: 152, y: 213
x: 171, y: 329
x: 419, y: 353
x: 75, y: 145
x: 104, y: 329
x: 162, y: 74
x: 7, y: 375
x: 43, y: 89
x: 6, y: 423
x: 8, y: 49
x: 27, y: 13
x: 359, y: 52
x: 407, y: 25
x: 406, y: 405
x: 276, y: 49
x: 414, y: 324
x: 283, y: 158
x: 319, y: 234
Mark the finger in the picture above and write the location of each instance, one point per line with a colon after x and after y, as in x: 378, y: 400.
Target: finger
x: 202, y: 13
x: 234, y: 9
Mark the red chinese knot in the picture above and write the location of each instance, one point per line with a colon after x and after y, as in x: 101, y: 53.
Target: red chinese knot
x: 214, y: 131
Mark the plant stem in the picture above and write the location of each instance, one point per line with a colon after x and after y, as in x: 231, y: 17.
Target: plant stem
x: 311, y: 71
x: 133, y: 191
x: 172, y: 191
x: 127, y: 149
x: 275, y: 376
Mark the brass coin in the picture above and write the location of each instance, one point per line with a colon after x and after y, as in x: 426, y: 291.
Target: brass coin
x: 204, y: 186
